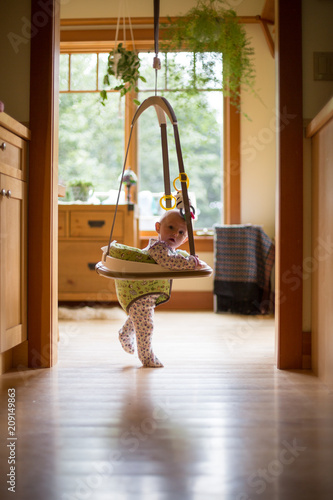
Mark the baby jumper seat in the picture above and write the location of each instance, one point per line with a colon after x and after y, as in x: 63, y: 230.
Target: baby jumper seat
x: 129, y: 263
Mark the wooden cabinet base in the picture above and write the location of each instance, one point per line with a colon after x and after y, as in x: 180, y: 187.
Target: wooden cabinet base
x: 83, y: 231
x: 13, y: 237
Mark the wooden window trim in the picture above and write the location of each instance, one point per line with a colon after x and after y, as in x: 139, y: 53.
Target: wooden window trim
x: 232, y: 164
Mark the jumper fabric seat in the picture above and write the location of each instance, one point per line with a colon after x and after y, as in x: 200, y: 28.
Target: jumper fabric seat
x: 125, y: 252
x: 128, y: 263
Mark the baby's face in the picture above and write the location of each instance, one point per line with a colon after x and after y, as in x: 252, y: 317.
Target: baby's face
x: 172, y: 230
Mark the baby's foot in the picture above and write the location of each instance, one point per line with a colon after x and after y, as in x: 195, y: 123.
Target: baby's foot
x: 127, y: 341
x: 145, y: 352
x: 152, y: 362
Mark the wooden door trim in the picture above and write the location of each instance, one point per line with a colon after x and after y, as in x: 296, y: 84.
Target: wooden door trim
x: 289, y: 201
x: 42, y: 215
x: 43, y: 188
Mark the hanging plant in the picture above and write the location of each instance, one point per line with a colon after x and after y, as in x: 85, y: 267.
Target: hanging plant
x: 125, y: 66
x: 209, y: 27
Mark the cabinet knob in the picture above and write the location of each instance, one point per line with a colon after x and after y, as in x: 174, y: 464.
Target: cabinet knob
x: 8, y: 193
x: 3, y: 146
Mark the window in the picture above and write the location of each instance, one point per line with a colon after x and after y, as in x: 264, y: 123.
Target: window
x: 200, y: 122
x: 91, y: 136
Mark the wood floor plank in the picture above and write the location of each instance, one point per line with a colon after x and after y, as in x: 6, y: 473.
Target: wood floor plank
x: 219, y: 421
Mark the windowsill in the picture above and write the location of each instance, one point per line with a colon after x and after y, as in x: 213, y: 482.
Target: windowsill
x: 202, y: 243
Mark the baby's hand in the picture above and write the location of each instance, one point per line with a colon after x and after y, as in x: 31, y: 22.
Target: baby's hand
x: 199, y: 263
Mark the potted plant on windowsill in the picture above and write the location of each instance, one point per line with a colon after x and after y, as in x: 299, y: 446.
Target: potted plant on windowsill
x: 79, y: 190
x: 210, y: 27
x: 124, y: 65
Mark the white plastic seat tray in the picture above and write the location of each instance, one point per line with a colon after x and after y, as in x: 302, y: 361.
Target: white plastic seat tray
x: 111, y: 267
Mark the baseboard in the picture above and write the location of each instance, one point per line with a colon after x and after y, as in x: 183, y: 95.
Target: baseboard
x: 16, y: 358
x: 179, y: 301
x: 189, y: 301
x: 5, y: 361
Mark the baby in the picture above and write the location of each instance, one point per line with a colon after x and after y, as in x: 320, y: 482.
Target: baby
x: 139, y: 298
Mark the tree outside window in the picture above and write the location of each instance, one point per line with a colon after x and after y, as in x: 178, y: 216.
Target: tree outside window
x: 91, y: 136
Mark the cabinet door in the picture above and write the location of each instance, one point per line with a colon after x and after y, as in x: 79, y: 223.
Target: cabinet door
x: 13, y: 275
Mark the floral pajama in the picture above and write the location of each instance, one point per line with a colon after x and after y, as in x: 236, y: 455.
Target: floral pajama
x: 140, y: 324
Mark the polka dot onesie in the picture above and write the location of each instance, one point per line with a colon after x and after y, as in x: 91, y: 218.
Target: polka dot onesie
x: 139, y: 302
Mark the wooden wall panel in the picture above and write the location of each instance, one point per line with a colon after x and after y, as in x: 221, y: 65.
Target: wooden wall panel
x: 321, y: 132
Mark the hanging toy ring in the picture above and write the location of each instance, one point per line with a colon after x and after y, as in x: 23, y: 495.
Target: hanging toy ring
x: 168, y: 197
x: 183, y: 177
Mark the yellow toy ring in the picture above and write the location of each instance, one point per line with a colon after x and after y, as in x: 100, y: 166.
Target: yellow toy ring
x: 183, y: 177
x: 168, y: 197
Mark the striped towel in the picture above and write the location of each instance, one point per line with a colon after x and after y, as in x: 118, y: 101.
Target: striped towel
x: 244, y: 257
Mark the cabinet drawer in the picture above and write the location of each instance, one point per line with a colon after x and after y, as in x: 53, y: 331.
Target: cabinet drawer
x: 77, y: 268
x: 62, y: 229
x: 12, y: 154
x: 95, y: 224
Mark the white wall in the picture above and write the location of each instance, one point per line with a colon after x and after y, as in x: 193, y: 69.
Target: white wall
x: 317, y: 18
x: 145, y: 8
x: 15, y: 58
x: 258, y: 142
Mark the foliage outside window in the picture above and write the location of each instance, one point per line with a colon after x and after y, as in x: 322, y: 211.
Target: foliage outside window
x: 91, y: 136
x: 199, y: 117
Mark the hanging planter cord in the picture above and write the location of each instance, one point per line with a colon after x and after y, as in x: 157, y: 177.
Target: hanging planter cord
x: 123, y: 15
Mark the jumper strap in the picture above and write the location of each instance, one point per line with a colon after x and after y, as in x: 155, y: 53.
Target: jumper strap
x: 163, y: 107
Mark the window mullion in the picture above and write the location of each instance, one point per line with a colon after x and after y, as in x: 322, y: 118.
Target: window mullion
x: 69, y: 72
x: 132, y: 159
x: 97, y: 71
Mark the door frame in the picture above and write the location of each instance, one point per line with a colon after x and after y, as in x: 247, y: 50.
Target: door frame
x: 43, y: 186
x: 43, y: 194
x: 289, y: 189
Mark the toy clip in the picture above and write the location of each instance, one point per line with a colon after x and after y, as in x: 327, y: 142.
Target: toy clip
x: 167, y: 197
x: 183, y: 177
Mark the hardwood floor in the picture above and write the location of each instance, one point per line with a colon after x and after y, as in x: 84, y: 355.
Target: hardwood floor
x: 219, y: 421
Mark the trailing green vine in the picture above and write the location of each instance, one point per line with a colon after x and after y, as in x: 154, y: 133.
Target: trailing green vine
x: 211, y: 27
x: 124, y: 65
